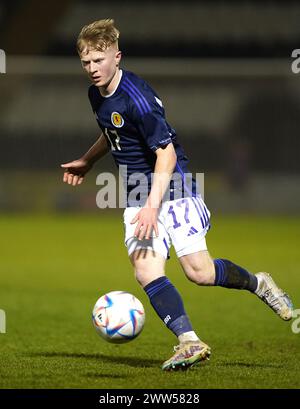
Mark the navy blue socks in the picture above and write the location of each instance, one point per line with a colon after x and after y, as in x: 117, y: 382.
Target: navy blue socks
x: 230, y: 275
x: 168, y: 304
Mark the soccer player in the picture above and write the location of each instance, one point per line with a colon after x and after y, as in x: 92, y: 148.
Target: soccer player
x: 132, y: 120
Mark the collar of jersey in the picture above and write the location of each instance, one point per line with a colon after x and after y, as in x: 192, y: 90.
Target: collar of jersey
x: 115, y: 90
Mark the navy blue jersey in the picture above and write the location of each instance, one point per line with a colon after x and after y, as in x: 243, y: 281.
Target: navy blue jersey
x: 132, y: 120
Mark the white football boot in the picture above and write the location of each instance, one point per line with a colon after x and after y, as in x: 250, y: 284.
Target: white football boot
x: 273, y: 296
x: 186, y: 355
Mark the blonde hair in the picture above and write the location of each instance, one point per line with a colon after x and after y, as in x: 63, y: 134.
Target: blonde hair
x: 98, y: 35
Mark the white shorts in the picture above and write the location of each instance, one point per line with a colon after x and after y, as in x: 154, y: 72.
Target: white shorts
x: 182, y: 223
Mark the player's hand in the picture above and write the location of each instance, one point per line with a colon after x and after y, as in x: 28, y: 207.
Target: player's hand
x: 75, y: 171
x: 146, y: 220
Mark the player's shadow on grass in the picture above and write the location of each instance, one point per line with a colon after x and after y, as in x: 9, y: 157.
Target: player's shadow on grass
x: 125, y: 360
x: 250, y: 365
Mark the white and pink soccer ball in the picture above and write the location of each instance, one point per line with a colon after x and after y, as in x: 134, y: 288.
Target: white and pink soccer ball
x: 118, y: 317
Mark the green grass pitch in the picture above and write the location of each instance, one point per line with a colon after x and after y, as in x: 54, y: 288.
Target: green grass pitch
x: 53, y: 269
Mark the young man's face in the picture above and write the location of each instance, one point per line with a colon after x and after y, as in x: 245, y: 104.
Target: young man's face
x: 101, y: 66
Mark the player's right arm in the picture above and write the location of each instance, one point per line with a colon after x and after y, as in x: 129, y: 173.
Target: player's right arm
x: 75, y: 171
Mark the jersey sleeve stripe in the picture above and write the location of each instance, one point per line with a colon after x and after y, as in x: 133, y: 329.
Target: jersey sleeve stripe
x: 138, y: 93
x: 137, y: 103
x: 133, y: 92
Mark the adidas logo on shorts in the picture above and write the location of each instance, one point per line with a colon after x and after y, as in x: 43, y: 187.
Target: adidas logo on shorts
x: 192, y: 231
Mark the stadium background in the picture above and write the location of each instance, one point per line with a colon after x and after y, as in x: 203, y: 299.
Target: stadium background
x: 223, y: 71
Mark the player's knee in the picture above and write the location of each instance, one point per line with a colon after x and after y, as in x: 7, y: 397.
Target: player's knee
x: 140, y: 277
x: 146, y: 276
x: 200, y: 274
x: 147, y: 267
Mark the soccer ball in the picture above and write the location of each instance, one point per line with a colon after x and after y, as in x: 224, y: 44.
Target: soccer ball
x: 118, y: 317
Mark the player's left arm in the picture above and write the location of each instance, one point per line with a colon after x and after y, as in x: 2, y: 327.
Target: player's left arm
x: 146, y: 218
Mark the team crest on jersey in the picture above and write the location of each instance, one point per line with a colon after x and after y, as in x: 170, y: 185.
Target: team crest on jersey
x: 117, y: 120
